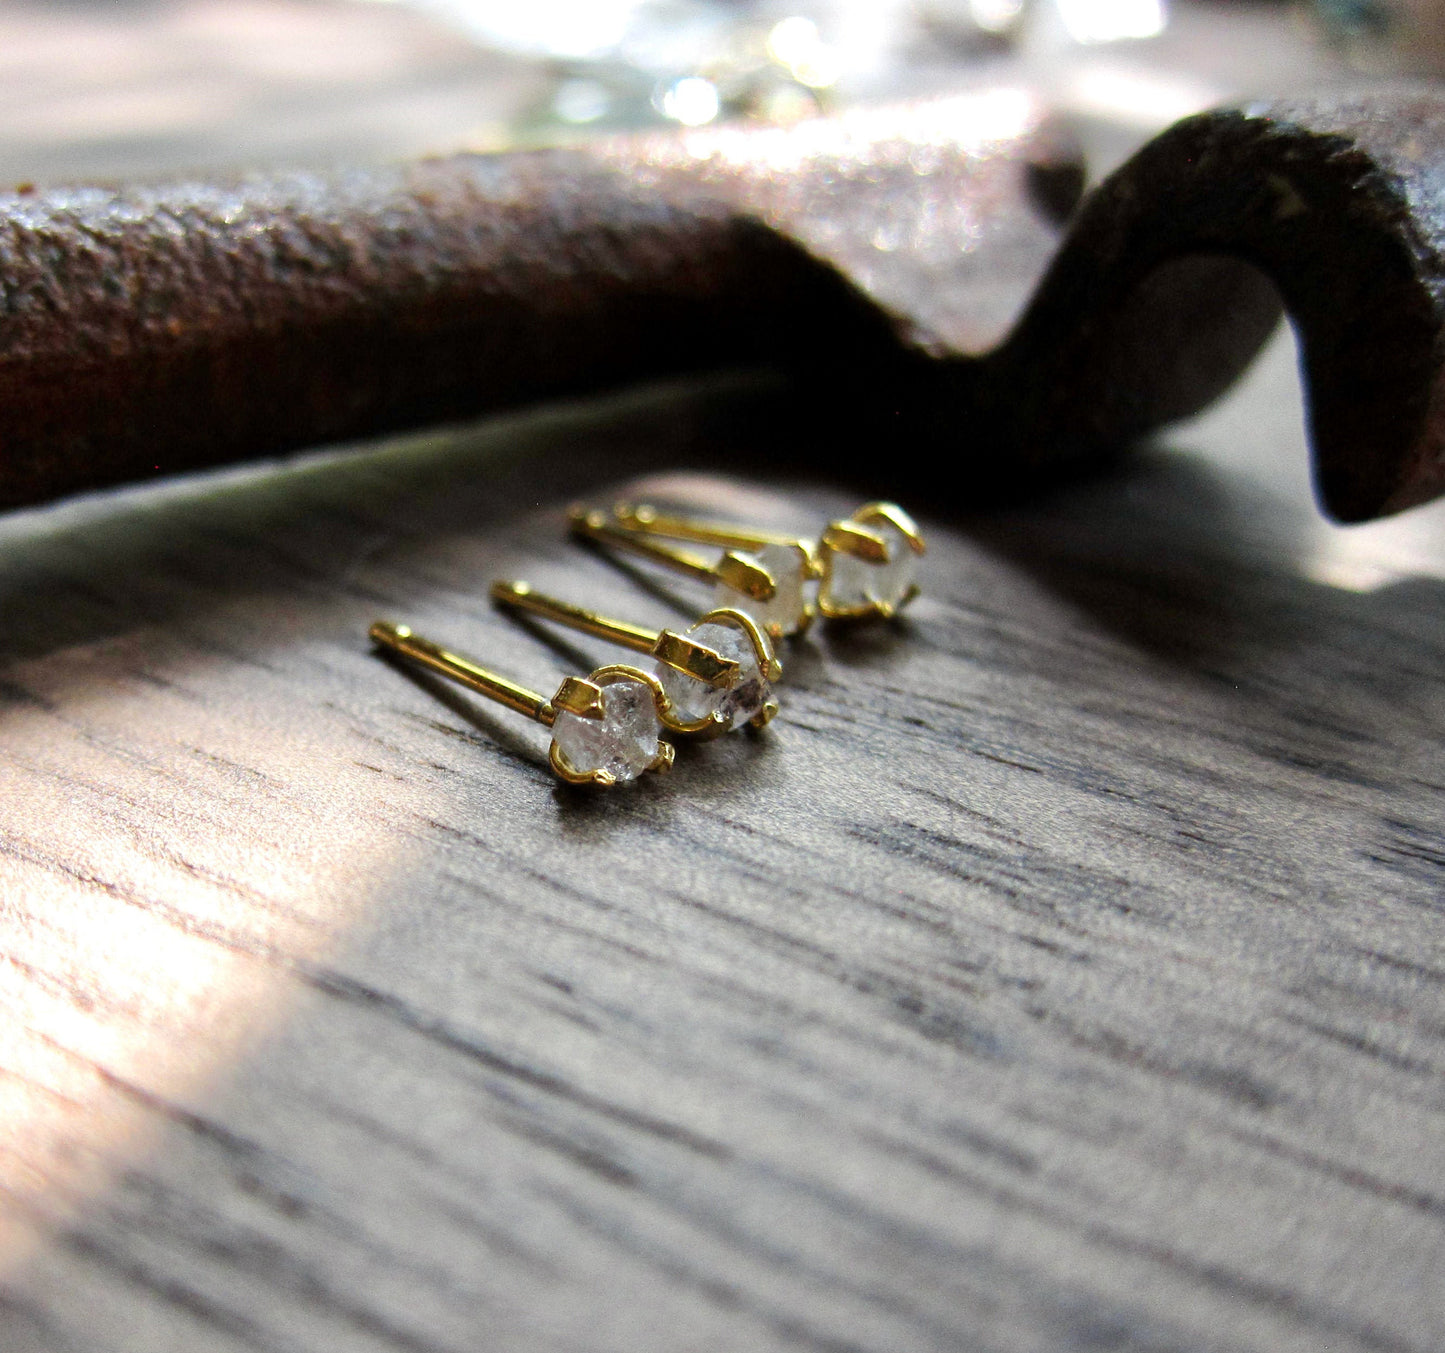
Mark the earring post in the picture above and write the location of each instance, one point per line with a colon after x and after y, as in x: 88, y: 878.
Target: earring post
x: 400, y: 639
x: 595, y: 526
x: 520, y: 596
x: 643, y: 517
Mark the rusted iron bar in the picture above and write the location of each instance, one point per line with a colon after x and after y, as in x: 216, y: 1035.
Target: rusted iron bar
x: 147, y: 330
x: 882, y: 258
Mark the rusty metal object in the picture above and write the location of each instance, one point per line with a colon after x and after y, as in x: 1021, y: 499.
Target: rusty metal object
x: 147, y: 330
x: 885, y: 256
x: 1339, y: 203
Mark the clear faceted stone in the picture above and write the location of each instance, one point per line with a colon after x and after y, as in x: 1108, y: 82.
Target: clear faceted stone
x: 695, y: 699
x: 855, y: 584
x: 623, y: 742
x: 784, y: 613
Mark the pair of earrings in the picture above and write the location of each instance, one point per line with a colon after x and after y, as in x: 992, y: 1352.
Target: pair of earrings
x: 715, y: 675
x: 865, y: 565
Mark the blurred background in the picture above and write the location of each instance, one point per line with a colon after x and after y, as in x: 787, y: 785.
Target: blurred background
x: 101, y: 88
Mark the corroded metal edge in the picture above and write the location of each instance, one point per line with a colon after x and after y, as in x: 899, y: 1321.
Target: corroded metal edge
x: 1177, y: 264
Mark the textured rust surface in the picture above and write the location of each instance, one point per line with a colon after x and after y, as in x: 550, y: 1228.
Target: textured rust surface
x: 883, y: 258
x: 190, y: 324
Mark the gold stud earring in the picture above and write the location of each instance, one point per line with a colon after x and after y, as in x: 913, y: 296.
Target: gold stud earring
x: 767, y: 582
x: 715, y: 675
x: 604, y: 727
x: 867, y: 562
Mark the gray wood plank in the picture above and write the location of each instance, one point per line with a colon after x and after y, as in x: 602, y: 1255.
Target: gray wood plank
x: 1063, y: 970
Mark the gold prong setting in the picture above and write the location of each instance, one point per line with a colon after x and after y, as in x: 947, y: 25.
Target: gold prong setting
x: 869, y: 563
x: 613, y: 738
x: 786, y: 610
x: 577, y: 695
x: 696, y: 704
x: 686, y: 655
x: 750, y: 575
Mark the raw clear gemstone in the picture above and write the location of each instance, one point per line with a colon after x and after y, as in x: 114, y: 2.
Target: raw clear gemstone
x: 855, y: 584
x: 784, y: 613
x: 623, y: 742
x: 695, y: 699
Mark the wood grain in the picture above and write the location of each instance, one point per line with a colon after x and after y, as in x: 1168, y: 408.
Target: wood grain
x: 1063, y: 970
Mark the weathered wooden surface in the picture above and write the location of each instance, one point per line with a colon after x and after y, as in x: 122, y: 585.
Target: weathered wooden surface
x: 1063, y: 970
